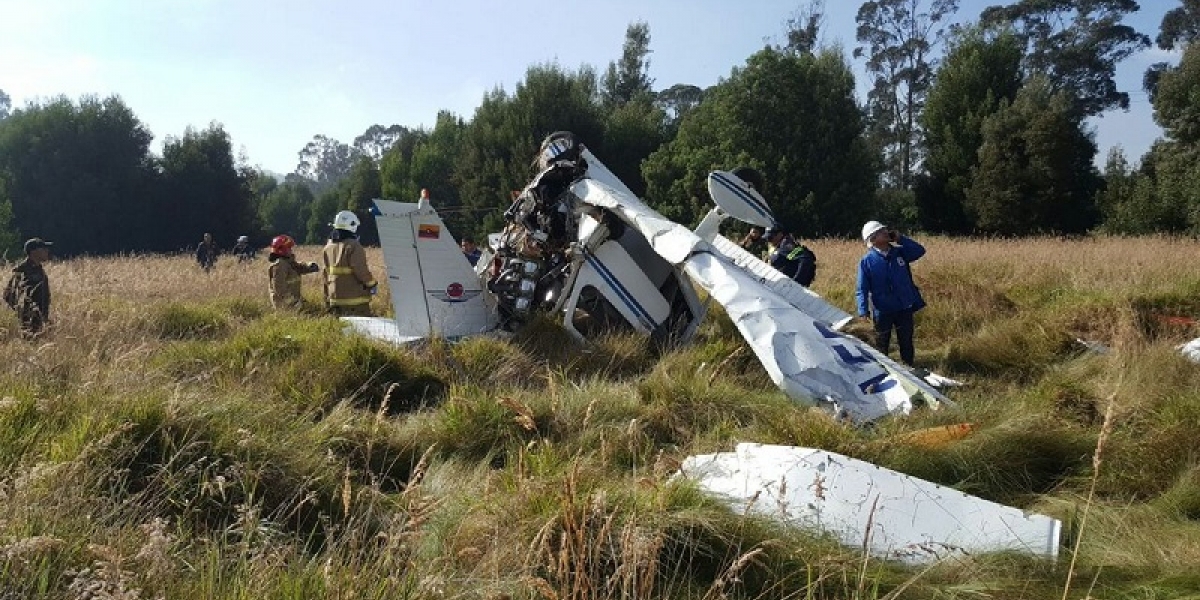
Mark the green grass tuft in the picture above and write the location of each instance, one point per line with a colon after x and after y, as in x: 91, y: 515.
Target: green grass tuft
x: 185, y: 322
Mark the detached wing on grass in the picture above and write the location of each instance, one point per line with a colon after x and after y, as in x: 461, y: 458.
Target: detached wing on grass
x: 892, y: 515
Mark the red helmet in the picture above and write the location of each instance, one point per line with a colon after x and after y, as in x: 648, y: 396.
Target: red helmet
x: 282, y: 245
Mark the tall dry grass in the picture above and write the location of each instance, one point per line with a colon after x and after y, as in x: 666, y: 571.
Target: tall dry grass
x: 175, y: 437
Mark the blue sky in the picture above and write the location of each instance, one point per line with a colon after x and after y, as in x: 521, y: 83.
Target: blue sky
x: 277, y: 73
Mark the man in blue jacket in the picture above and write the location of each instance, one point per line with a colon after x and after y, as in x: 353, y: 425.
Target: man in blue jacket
x: 886, y: 291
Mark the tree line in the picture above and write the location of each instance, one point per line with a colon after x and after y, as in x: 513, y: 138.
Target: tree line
x: 973, y: 127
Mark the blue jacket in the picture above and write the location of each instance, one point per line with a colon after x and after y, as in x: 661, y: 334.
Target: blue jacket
x: 885, y: 283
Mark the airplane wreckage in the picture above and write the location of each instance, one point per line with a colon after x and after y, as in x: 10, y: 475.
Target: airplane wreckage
x: 577, y: 242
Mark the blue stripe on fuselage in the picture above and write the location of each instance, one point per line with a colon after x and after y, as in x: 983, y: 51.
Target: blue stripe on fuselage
x: 626, y: 297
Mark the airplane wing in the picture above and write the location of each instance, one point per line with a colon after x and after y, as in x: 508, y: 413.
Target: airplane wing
x: 885, y: 512
x: 434, y: 290
x: 804, y: 299
x: 804, y: 356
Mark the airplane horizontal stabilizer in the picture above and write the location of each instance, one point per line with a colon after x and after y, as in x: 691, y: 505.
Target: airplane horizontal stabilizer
x: 887, y: 513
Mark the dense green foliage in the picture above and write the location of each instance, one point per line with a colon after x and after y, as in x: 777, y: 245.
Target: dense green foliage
x: 941, y: 141
x: 1161, y: 194
x: 898, y: 38
x: 1076, y: 44
x: 791, y: 116
x: 976, y: 76
x: 1035, y: 166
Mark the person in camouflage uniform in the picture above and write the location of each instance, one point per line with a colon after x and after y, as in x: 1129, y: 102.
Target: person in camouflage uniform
x: 28, y: 288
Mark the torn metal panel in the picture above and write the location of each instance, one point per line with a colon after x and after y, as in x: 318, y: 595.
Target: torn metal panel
x: 1191, y: 350
x: 893, y: 515
x: 804, y: 299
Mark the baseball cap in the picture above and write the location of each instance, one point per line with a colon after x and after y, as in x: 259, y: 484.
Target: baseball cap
x: 771, y: 231
x: 36, y: 243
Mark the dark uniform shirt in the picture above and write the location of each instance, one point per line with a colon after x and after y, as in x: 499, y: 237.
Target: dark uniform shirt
x: 206, y: 255
x: 28, y: 293
x: 473, y: 256
x: 796, y: 261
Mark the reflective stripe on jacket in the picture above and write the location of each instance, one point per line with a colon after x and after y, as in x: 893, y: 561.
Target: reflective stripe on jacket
x: 348, y: 281
x: 284, y: 276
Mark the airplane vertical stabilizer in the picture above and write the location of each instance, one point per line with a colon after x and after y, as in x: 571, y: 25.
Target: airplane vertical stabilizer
x: 435, y: 292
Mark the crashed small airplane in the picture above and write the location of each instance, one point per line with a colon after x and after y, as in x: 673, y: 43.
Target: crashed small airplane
x: 580, y: 246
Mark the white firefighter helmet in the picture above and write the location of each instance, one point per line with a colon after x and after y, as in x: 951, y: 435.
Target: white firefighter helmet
x: 870, y: 229
x: 347, y: 221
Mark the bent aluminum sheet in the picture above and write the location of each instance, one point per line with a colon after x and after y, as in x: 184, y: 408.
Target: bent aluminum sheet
x: 377, y: 328
x: 809, y: 361
x: 899, y: 516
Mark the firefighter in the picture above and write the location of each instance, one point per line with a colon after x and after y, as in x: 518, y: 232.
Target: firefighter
x: 243, y: 250
x: 284, y: 273
x: 349, y: 283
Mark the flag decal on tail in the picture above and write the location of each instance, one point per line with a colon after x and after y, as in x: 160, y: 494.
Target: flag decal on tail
x: 428, y: 231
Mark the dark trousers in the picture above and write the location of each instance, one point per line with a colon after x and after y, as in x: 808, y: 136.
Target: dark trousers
x: 902, y: 322
x: 32, y: 323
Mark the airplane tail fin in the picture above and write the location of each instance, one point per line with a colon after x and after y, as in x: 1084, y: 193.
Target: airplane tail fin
x: 435, y: 291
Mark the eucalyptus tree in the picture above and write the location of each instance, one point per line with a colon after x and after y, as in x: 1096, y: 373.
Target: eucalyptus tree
x: 898, y: 39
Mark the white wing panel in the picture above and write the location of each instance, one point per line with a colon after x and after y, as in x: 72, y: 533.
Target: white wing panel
x: 900, y: 517
x: 808, y: 301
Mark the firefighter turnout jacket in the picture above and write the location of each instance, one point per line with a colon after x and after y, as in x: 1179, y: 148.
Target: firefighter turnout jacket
x: 284, y: 277
x: 348, y: 281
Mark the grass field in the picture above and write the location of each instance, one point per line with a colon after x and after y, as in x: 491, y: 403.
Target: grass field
x: 174, y: 437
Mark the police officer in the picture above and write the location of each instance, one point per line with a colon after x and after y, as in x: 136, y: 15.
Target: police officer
x: 349, y: 283
x: 790, y: 257
x: 28, y: 289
